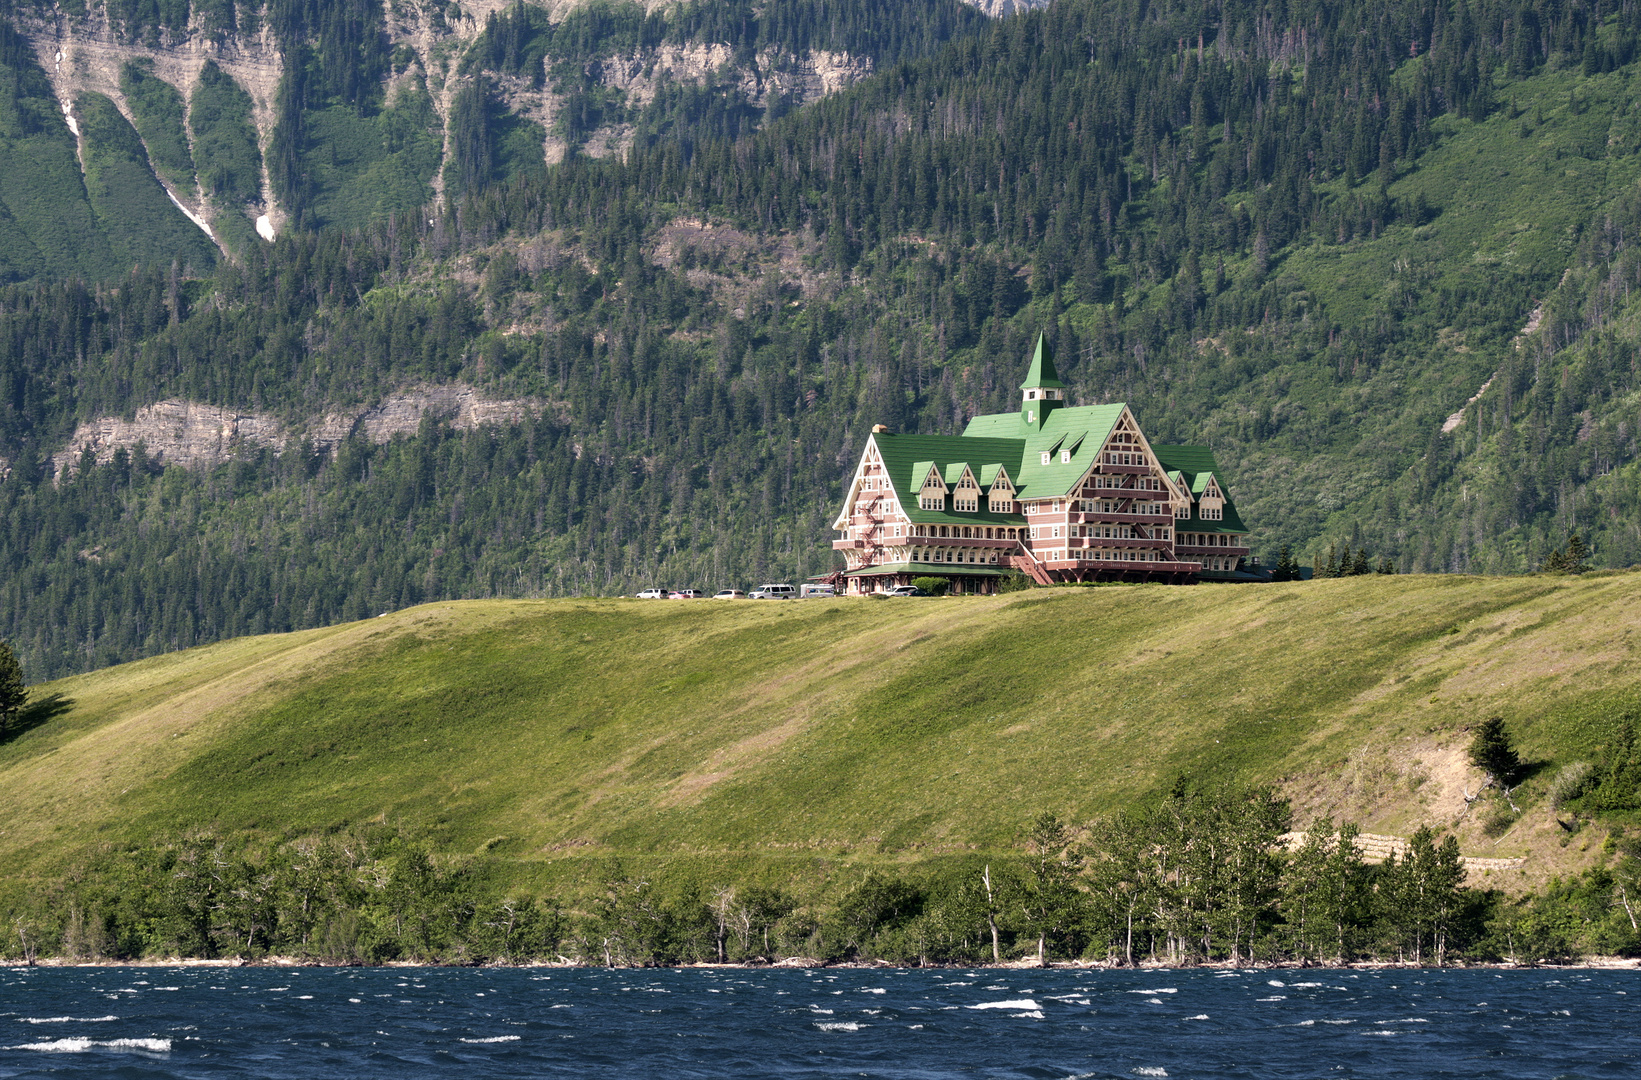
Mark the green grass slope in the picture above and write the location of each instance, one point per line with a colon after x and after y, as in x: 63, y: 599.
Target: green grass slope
x: 548, y: 732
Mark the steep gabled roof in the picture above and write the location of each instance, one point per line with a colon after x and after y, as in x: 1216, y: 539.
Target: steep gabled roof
x: 907, y: 459
x: 1191, y: 467
x: 955, y: 471
x: 1091, y: 424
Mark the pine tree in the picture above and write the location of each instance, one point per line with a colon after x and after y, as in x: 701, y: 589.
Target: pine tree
x: 1286, y: 568
x: 13, y: 695
x: 1386, y: 566
x: 1360, y: 564
x: 1491, y: 751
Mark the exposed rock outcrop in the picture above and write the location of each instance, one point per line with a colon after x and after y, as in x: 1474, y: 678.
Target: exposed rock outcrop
x: 193, y: 435
x: 85, y: 53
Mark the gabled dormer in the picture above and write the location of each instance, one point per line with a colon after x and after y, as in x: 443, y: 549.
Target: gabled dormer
x: 994, y: 479
x: 931, y: 489
x: 1042, y: 392
x: 964, y: 487
x: 1211, y: 499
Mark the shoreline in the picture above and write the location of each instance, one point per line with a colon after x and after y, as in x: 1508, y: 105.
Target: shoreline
x: 1598, y: 963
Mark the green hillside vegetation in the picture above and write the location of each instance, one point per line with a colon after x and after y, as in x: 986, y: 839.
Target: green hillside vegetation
x: 533, y: 745
x: 226, y: 158
x: 46, y: 219
x: 161, y: 121
x: 145, y: 227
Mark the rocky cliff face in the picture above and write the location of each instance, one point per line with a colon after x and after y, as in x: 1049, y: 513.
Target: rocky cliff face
x: 193, y: 435
x: 84, y: 52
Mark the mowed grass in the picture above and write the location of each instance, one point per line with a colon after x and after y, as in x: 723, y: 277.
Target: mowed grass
x: 543, y: 731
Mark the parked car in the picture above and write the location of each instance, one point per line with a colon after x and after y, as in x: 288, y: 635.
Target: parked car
x: 811, y: 589
x: 653, y: 594
x: 687, y: 594
x: 729, y: 594
x: 905, y: 590
x: 774, y: 592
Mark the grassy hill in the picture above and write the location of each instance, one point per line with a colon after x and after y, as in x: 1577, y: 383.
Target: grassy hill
x: 554, y: 734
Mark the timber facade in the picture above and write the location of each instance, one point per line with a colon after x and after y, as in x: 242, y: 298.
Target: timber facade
x: 1058, y: 493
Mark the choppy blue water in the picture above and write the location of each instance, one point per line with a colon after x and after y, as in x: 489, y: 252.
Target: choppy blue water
x: 917, y: 1025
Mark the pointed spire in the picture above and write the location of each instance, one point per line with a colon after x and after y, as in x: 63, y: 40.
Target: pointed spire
x: 1042, y: 373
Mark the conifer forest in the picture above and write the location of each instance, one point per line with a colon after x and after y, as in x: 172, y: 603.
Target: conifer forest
x: 1310, y: 235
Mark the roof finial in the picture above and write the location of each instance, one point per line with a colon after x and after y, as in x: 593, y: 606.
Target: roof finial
x: 1042, y: 373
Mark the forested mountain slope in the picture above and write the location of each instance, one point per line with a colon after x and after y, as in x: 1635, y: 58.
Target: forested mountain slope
x: 1306, y: 235
x: 206, y: 124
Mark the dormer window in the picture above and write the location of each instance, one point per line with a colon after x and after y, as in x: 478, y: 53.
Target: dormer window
x: 1065, y: 457
x: 1045, y: 457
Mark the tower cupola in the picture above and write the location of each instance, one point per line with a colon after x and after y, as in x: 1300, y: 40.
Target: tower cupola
x: 1042, y: 392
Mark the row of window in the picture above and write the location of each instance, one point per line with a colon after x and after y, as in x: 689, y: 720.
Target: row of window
x: 973, y: 556
x: 964, y: 532
x: 967, y: 502
x: 1102, y: 555
x: 1209, y: 540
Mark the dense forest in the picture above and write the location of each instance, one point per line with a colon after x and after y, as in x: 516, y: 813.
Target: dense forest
x: 1303, y: 234
x: 1195, y: 875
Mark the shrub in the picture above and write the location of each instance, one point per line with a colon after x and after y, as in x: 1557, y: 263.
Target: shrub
x: 1498, y: 823
x: 934, y: 586
x: 1570, y: 783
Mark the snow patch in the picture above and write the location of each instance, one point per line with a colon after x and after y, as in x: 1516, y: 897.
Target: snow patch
x: 264, y: 227
x: 190, y: 215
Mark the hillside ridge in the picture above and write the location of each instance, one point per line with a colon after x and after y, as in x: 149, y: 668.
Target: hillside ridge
x: 854, y: 730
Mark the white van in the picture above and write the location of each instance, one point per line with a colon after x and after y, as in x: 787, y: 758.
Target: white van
x: 774, y: 592
x: 811, y: 589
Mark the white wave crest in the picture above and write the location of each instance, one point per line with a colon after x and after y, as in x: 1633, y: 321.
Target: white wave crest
x: 66, y: 1019
x: 1275, y: 982
x: 1159, y: 990
x: 1032, y: 1015
x: 1149, y: 1070
x: 875, y: 990
x: 1019, y: 1003
x: 1198, y: 1016
x: 839, y: 1025
x: 494, y: 1039
x: 80, y: 1046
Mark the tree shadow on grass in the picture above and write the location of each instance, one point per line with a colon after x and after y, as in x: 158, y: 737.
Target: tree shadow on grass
x: 34, y: 714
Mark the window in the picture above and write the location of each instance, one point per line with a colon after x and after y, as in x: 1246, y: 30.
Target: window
x: 1045, y: 457
x: 965, y: 501
x: 1056, y: 532
x: 897, y: 530
x: 930, y: 501
x: 1065, y: 457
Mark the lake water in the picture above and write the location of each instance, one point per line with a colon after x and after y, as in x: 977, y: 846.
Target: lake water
x: 909, y: 1025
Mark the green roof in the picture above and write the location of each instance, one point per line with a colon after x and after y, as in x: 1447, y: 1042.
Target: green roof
x: 907, y: 459
x: 1087, y: 428
x: 1192, y: 466
x: 931, y: 569
x: 1042, y: 371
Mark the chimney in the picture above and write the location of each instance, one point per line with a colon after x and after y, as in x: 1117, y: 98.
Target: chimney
x: 880, y: 429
